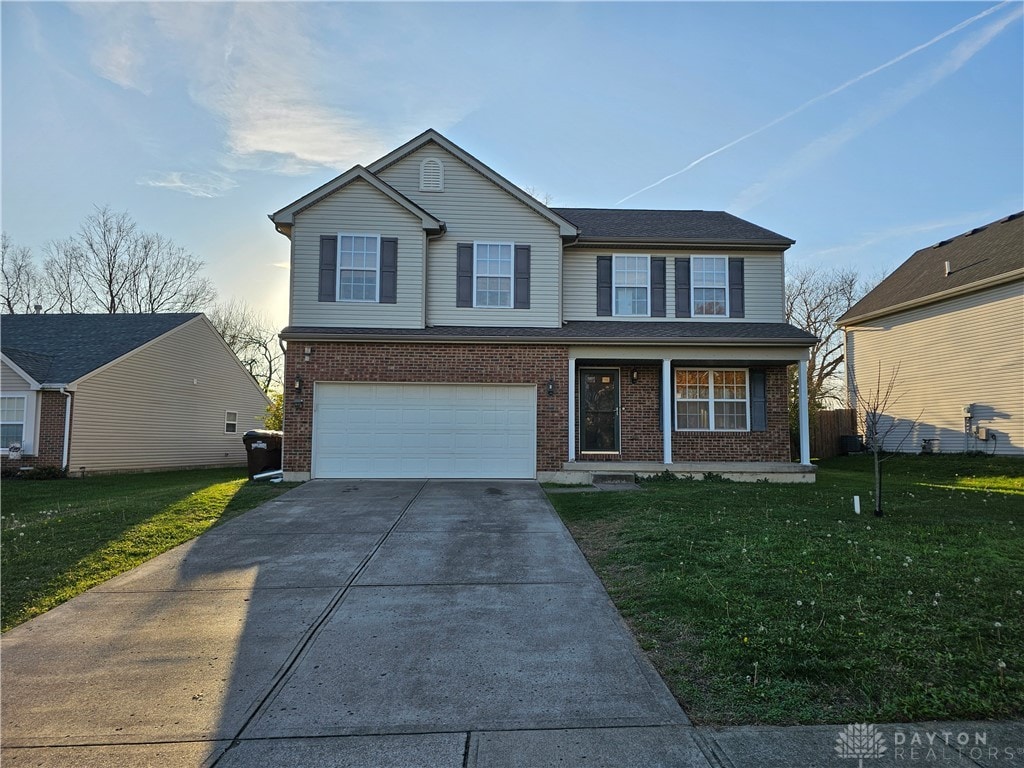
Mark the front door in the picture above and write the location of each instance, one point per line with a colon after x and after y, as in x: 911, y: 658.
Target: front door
x: 599, y: 410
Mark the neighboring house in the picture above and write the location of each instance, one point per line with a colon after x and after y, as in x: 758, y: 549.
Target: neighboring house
x: 949, y: 325
x: 444, y: 323
x: 104, y: 393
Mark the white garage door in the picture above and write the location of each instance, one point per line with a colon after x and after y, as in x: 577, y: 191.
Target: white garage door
x: 424, y: 430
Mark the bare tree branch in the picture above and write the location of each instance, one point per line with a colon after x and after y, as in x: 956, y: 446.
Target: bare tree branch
x: 21, y: 288
x: 253, y: 340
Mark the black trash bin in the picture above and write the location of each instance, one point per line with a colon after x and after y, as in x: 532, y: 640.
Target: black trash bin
x: 263, y: 448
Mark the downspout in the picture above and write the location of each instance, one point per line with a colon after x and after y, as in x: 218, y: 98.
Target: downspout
x: 67, y: 429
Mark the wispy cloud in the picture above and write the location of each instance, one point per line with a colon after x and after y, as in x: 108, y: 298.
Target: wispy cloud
x: 116, y: 54
x: 195, y: 184
x: 821, y: 97
x: 892, y: 102
x: 951, y: 225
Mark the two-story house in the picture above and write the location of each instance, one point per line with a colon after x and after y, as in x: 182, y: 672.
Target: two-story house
x: 444, y: 323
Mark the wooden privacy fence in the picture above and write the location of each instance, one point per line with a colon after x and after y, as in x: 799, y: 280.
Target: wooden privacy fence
x: 826, y: 429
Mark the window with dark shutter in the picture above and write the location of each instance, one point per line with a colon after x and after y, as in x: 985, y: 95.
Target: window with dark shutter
x: 758, y: 402
x: 604, y: 286
x: 388, y: 270
x: 328, y: 268
x: 736, y: 308
x: 522, y: 277
x: 657, y: 287
x: 682, y: 287
x: 464, y: 275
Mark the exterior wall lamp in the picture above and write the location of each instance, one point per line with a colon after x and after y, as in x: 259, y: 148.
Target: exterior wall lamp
x: 634, y: 376
x: 551, y: 387
x: 298, y: 382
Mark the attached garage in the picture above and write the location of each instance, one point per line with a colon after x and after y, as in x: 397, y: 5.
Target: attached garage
x: 424, y: 430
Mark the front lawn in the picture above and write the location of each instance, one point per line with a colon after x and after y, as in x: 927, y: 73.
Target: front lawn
x: 58, y: 538
x: 776, y: 604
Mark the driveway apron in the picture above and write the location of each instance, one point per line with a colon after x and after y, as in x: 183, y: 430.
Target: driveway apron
x: 398, y: 623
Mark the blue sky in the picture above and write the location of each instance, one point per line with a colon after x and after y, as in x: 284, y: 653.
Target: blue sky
x: 866, y: 137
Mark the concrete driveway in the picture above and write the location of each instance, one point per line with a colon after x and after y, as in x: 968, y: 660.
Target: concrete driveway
x: 362, y: 623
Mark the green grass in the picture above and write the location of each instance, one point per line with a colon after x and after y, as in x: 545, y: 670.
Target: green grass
x: 58, y: 538
x: 774, y: 604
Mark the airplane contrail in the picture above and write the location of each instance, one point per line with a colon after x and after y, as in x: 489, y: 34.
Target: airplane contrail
x: 820, y: 97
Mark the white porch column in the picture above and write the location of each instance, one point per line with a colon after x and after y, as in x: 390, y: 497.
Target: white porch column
x: 666, y: 409
x: 572, y: 409
x: 805, y: 427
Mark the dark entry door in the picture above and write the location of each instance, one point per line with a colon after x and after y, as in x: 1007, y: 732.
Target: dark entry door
x: 599, y: 411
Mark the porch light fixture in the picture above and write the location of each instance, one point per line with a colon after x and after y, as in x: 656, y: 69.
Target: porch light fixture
x: 634, y: 376
x: 298, y: 382
x: 551, y: 387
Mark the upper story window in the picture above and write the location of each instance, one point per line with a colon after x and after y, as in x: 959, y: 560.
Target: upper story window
x: 358, y: 267
x: 492, y: 275
x: 12, y: 421
x: 631, y: 280
x: 431, y: 175
x: 710, y: 285
x: 712, y: 400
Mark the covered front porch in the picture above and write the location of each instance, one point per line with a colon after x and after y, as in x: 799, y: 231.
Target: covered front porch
x: 688, y: 410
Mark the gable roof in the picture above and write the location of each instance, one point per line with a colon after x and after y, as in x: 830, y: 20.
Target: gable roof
x: 60, y: 349
x: 565, y: 228
x: 661, y: 226
x: 985, y: 256
x: 286, y: 216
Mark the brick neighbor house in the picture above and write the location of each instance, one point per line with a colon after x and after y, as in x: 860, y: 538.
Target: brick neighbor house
x: 109, y: 393
x: 444, y: 323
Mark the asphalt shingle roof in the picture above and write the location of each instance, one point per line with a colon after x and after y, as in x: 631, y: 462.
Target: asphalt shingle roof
x: 63, y: 348
x: 981, y: 254
x: 586, y: 331
x: 602, y: 224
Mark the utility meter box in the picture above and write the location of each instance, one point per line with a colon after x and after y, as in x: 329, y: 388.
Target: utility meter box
x: 981, y: 433
x: 969, y: 410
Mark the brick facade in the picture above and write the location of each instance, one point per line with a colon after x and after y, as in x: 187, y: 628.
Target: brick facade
x: 49, y: 451
x: 434, y: 363
x: 445, y: 363
x: 641, y: 436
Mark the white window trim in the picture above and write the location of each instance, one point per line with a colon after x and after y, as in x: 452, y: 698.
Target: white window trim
x: 511, y: 276
x: 710, y: 401
x: 337, y: 275
x: 615, y: 285
x: 30, y: 424
x: 230, y: 421
x: 694, y: 286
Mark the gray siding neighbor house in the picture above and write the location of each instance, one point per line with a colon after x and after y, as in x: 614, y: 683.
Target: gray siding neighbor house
x: 445, y: 323
x: 108, y: 393
x: 949, y: 325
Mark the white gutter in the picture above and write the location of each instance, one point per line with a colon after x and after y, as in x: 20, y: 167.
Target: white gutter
x: 67, y: 429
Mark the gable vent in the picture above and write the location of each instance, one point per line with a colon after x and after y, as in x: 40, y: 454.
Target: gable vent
x: 431, y: 175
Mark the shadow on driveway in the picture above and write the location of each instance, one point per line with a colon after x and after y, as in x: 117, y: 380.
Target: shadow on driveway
x: 347, y: 623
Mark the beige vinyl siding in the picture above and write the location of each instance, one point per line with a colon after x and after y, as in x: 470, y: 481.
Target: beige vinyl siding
x: 475, y: 209
x: 10, y: 380
x: 968, y: 349
x: 358, y: 209
x: 163, y: 406
x: 763, y: 278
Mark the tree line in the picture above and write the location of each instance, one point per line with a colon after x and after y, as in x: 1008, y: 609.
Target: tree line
x: 111, y: 265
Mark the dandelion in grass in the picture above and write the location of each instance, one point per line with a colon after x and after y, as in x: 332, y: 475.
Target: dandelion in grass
x: 799, y: 602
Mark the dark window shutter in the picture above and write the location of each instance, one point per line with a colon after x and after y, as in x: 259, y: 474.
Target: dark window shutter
x: 328, y: 268
x: 604, y: 286
x: 758, y: 402
x: 736, y: 287
x: 522, y: 277
x: 388, y: 270
x: 682, y: 287
x: 464, y: 275
x: 657, y: 287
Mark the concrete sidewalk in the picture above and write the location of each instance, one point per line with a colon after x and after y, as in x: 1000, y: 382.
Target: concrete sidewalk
x: 375, y: 624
